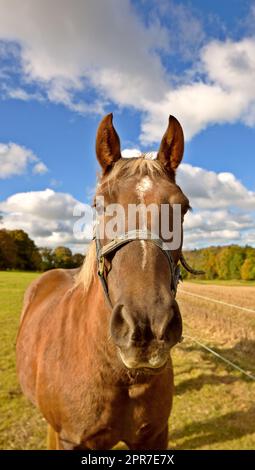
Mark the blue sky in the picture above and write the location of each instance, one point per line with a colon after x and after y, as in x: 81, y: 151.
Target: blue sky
x: 59, y: 74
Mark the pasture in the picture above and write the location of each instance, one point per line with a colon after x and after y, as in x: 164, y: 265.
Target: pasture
x: 213, y: 404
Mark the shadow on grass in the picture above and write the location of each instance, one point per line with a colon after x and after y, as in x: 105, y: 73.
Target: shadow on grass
x: 242, y: 354
x: 197, y: 383
x: 230, y: 426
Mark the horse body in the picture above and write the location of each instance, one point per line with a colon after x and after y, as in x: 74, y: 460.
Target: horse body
x: 68, y: 368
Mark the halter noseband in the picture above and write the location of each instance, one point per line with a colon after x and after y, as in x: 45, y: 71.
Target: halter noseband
x: 127, y: 237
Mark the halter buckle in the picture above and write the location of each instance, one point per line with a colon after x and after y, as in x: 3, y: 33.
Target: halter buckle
x: 101, y: 266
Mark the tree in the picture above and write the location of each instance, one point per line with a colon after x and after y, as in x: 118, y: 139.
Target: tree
x: 62, y: 257
x: 28, y: 254
x: 47, y: 259
x: 8, y: 251
x: 236, y: 261
x: 222, y: 263
x: 208, y: 264
x: 248, y: 268
x: 18, y: 251
x: 77, y: 260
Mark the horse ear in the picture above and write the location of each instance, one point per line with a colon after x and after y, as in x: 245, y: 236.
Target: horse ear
x: 107, y: 144
x: 172, y: 145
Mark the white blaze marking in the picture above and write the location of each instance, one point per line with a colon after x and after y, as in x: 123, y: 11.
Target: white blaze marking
x: 144, y: 185
x: 144, y: 248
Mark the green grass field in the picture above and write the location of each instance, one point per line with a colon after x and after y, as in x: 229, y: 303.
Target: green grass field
x: 213, y: 405
x: 21, y: 426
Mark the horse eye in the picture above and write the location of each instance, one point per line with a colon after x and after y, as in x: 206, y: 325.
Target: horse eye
x: 100, y: 208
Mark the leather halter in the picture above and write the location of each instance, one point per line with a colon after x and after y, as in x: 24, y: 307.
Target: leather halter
x: 128, y: 237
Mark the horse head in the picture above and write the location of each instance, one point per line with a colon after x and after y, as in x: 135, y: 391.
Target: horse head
x: 139, y: 278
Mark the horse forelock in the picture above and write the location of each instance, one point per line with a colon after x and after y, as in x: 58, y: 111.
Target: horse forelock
x: 133, y: 167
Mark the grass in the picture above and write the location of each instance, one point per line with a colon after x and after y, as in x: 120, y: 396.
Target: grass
x: 21, y: 426
x: 213, y: 405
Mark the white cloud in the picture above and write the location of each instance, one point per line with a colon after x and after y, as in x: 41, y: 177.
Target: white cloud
x: 209, y: 220
x: 83, y: 48
x: 40, y: 168
x: 249, y: 21
x: 211, y: 190
x: 135, y: 153
x: 119, y: 56
x: 131, y: 153
x: 46, y: 204
x: 196, y: 105
x: 55, y: 183
x: 15, y: 159
x: 224, y: 208
x: 199, y: 239
x: 222, y: 92
x: 47, y: 216
x: 21, y: 94
x: 210, y: 227
x: 186, y: 28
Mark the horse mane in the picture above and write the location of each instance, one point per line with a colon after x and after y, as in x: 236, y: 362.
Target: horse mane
x: 88, y: 269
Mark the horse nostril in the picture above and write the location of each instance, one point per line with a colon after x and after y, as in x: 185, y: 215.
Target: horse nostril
x: 121, y: 326
x: 168, y: 331
x: 165, y: 325
x: 171, y: 329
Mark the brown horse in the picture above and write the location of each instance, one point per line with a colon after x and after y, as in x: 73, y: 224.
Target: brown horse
x: 100, y: 372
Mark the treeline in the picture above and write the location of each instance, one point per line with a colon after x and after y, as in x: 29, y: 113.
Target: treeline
x: 223, y: 262
x: 18, y: 251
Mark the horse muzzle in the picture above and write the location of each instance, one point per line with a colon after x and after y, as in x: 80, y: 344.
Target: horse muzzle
x: 135, y: 360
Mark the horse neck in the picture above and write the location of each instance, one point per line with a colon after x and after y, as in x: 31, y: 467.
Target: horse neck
x: 98, y: 314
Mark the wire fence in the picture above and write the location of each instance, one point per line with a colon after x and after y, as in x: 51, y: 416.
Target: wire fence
x: 216, y: 301
x: 219, y: 356
x: 206, y: 347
